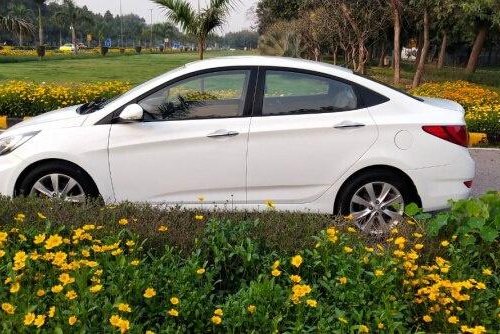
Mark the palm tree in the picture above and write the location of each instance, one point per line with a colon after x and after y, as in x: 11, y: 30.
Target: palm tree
x: 22, y: 12
x: 10, y: 23
x: 39, y: 4
x: 74, y: 15
x: 198, y: 23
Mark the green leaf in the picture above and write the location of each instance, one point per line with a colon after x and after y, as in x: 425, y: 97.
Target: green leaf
x: 489, y: 234
x: 436, y: 224
x: 412, y: 209
x: 475, y: 222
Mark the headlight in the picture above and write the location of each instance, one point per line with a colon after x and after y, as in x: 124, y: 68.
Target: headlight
x: 9, y: 144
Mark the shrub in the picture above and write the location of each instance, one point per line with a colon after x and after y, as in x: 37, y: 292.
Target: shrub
x: 482, y: 106
x: 67, y: 268
x: 21, y: 98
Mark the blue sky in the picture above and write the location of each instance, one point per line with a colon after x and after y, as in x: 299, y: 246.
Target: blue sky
x: 238, y: 18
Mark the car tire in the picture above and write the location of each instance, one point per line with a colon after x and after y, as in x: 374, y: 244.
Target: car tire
x: 375, y: 207
x: 82, y: 186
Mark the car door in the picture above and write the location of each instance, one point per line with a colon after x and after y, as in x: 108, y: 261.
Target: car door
x: 191, y: 143
x: 308, y: 130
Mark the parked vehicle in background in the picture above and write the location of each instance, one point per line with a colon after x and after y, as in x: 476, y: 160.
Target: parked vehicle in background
x: 243, y: 131
x: 67, y: 47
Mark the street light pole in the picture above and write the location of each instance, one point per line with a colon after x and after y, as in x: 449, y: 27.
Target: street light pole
x: 151, y: 27
x: 121, y: 25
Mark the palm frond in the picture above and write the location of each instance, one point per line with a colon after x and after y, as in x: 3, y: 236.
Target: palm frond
x: 224, y: 4
x: 10, y: 23
x: 180, y: 12
x: 212, y: 18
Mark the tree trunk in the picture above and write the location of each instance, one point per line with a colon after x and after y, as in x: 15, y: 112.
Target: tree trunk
x: 60, y: 37
x: 476, y: 49
x: 201, y: 48
x: 40, y: 27
x: 382, y: 55
x: 421, y: 64
x: 442, y: 51
x: 335, y: 55
x: 420, y: 43
x: 73, y: 39
x: 20, y: 36
x: 361, y: 57
x: 397, y: 42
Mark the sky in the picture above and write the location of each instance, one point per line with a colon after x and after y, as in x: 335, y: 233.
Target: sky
x: 237, y: 20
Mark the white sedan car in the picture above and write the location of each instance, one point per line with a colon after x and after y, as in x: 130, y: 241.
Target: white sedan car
x: 241, y: 131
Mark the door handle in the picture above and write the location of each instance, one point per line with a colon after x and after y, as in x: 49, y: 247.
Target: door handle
x: 223, y: 133
x: 348, y: 125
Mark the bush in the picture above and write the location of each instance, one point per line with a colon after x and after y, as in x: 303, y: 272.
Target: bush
x: 482, y: 106
x: 70, y: 268
x: 22, y: 98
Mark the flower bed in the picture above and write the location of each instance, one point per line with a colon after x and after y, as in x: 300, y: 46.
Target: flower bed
x: 482, y: 106
x: 21, y: 98
x: 102, y: 275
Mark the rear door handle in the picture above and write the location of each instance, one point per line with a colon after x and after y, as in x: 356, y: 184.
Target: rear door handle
x: 223, y: 133
x: 348, y: 125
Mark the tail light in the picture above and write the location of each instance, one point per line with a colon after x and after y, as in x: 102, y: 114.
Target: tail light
x: 468, y: 184
x: 456, y: 134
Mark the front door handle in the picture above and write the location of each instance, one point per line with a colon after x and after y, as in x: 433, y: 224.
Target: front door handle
x: 223, y: 133
x: 348, y: 125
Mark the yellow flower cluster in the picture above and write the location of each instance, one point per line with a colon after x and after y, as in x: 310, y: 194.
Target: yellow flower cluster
x: 23, y: 98
x: 482, y: 105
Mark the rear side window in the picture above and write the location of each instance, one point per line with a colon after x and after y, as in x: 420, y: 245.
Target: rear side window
x: 293, y: 93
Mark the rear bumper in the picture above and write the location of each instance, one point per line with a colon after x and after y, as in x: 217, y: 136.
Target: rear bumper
x: 437, y: 185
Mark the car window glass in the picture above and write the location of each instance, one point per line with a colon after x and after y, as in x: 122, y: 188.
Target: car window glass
x: 290, y: 93
x: 212, y: 95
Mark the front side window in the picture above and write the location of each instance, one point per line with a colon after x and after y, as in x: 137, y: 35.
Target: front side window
x: 212, y: 95
x: 294, y: 93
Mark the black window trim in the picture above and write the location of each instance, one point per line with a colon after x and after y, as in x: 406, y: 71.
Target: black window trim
x: 112, y: 117
x: 260, y: 90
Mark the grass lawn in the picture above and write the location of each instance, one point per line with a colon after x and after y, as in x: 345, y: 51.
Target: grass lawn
x: 133, y: 68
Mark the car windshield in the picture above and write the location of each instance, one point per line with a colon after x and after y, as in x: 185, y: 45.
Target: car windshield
x: 391, y: 87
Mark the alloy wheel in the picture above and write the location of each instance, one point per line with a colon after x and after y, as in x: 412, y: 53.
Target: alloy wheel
x: 377, y: 207
x: 58, y: 186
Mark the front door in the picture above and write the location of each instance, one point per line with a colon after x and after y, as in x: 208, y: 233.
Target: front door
x: 192, y: 142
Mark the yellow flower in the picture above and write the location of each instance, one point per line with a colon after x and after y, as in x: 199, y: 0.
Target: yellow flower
x: 173, y: 312
x: 72, y: 320
x: 130, y: 243
x: 216, y: 320
x: 52, y: 311
x: 53, y: 241
x: 41, y: 216
x: 56, y: 288
x: 400, y: 242
x: 123, y: 221
x: 39, y: 239
x: 124, y: 307
x: 487, y: 272
x: 276, y: 264
x: 311, y: 303
x: 39, y: 321
x: 71, y: 294
x: 20, y: 217
x: 8, y: 308
x: 135, y: 262
x: 445, y: 243
x: 149, y: 293
x: 343, y: 280
x: 417, y: 235
x: 296, y: 261
x: 95, y: 288
x: 200, y: 271
x: 364, y: 329
x: 427, y: 318
x: 453, y: 320
x: 270, y: 204
x: 40, y: 293
x: 162, y: 228
x: 380, y: 325
x: 295, y: 278
x: 379, y: 273
x: 275, y: 272
x: 174, y: 300
x: 251, y: 309
x: 343, y: 320
x: 347, y: 249
x: 29, y: 318
x: 66, y: 279
x: 198, y: 217
x: 219, y: 312
x: 351, y: 229
x: 15, y: 287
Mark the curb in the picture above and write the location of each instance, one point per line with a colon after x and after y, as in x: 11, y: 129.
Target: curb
x: 7, y: 122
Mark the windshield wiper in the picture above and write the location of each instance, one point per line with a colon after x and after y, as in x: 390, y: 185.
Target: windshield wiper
x: 92, y: 106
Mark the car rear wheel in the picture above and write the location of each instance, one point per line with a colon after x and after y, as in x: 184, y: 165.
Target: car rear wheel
x: 375, y: 201
x: 58, y: 180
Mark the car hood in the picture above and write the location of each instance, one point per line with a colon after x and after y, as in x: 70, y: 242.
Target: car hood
x: 443, y: 103
x: 66, y: 117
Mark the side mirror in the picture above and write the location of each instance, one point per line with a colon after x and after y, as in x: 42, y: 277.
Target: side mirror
x: 132, y: 113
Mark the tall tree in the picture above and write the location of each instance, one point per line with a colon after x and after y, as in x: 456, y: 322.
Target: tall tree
x: 22, y: 12
x: 13, y: 24
x: 40, y: 4
x: 396, y: 19
x: 198, y: 23
x: 422, y: 6
x: 75, y: 16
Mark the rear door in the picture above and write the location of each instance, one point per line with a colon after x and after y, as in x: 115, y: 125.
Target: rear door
x: 307, y: 130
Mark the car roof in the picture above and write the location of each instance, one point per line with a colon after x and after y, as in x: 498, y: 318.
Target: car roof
x: 284, y: 62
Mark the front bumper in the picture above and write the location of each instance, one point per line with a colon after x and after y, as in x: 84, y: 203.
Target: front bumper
x: 9, y: 171
x: 437, y: 185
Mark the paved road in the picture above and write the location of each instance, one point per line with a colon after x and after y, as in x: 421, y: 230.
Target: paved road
x: 487, y: 170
